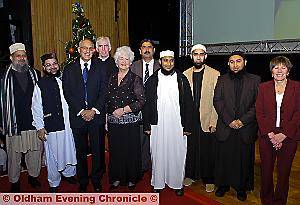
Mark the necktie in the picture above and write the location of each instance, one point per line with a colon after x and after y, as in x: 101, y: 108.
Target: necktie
x: 85, y: 77
x: 146, y: 72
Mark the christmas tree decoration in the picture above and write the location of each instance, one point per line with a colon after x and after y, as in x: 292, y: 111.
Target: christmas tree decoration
x: 81, y: 29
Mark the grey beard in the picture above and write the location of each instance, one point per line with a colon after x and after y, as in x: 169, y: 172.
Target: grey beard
x: 21, y: 68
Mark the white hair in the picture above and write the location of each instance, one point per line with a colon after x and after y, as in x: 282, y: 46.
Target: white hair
x: 103, y: 38
x: 125, y: 50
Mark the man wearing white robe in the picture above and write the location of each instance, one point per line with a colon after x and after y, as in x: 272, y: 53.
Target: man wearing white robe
x: 167, y: 115
x: 58, y: 141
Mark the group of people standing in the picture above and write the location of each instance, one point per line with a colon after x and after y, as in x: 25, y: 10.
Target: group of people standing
x: 184, y: 126
x: 231, y: 111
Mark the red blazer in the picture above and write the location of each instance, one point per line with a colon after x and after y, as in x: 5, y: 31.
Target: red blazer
x: 289, y: 111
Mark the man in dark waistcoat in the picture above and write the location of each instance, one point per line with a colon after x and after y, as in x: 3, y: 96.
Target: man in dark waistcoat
x: 51, y: 119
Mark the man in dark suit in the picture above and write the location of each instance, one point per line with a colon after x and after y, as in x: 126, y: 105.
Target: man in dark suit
x: 234, y: 101
x: 145, y: 68
x: 84, y: 86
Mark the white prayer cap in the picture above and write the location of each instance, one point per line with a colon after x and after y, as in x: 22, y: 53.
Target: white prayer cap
x: 16, y: 47
x: 198, y: 46
x: 166, y: 53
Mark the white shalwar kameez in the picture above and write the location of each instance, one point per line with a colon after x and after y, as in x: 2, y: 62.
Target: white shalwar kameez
x: 167, y: 143
x: 60, y: 147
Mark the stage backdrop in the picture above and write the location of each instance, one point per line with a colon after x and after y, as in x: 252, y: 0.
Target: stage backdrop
x: 217, y: 21
x: 52, y: 23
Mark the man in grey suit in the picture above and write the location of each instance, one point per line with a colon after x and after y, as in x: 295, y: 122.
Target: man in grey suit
x: 145, y: 68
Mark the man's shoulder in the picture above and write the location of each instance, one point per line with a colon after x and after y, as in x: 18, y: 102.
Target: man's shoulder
x: 213, y: 71
x: 254, y: 77
x: 137, y: 63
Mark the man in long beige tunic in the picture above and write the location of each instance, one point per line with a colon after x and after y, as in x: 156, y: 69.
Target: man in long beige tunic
x: 21, y: 137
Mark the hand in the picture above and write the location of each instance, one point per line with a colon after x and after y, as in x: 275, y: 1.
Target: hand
x: 42, y: 134
x: 88, y: 115
x: 240, y: 124
x: 277, y: 146
x: 118, y: 112
x: 280, y: 137
x: 148, y: 132
x: 186, y: 133
x: 212, y: 129
x: 234, y: 124
x: 272, y: 138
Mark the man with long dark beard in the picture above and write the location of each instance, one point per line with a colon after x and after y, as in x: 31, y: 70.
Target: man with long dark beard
x: 201, y: 144
x: 51, y: 119
x: 21, y: 137
x: 168, y: 120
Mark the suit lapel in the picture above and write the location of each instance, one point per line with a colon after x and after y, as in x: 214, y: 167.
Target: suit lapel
x: 78, y: 72
x: 288, y: 94
x: 230, y: 90
x: 246, y: 86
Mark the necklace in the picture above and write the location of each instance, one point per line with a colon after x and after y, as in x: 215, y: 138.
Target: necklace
x: 280, y: 86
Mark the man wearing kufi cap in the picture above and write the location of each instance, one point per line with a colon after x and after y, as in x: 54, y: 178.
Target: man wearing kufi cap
x: 17, y: 87
x: 51, y: 119
x: 234, y: 100
x: 201, y: 144
x: 168, y: 120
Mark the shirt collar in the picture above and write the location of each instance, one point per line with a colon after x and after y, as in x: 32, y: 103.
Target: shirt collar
x: 150, y: 63
x: 82, y: 64
x: 103, y: 59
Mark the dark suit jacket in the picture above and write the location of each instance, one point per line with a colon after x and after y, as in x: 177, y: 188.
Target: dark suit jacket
x: 73, y: 87
x: 224, y: 103
x: 289, y: 110
x: 137, y: 67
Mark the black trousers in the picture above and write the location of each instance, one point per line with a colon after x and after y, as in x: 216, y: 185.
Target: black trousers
x: 91, y: 134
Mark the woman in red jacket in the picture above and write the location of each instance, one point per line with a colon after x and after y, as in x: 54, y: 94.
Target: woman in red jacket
x: 278, y: 117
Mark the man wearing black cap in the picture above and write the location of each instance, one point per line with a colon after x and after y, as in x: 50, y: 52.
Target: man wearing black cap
x: 234, y: 101
x: 51, y: 119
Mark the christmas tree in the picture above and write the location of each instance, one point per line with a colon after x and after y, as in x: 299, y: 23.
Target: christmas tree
x: 81, y: 29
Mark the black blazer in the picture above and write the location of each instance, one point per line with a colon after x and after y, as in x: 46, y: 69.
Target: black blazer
x: 224, y: 103
x: 73, y: 88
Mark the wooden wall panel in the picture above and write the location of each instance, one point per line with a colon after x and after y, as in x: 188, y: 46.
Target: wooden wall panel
x: 52, y: 24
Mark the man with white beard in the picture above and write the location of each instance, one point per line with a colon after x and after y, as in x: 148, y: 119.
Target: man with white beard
x: 17, y: 87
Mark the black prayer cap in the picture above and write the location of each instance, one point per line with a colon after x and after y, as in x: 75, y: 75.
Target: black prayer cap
x: 47, y: 56
x: 239, y: 53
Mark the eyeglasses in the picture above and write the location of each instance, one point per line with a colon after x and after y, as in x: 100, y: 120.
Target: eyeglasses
x: 48, y: 65
x: 87, y: 48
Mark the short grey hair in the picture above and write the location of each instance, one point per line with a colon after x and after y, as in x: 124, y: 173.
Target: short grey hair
x: 103, y: 38
x: 125, y: 50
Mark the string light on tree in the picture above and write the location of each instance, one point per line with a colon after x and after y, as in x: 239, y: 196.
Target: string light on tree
x: 81, y: 28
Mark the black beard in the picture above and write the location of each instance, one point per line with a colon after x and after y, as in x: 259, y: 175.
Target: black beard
x: 198, y: 65
x: 21, y: 68
x: 166, y: 72
x: 49, y: 74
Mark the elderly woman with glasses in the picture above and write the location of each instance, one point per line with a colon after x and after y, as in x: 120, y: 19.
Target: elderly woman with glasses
x: 125, y: 99
x: 278, y: 117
